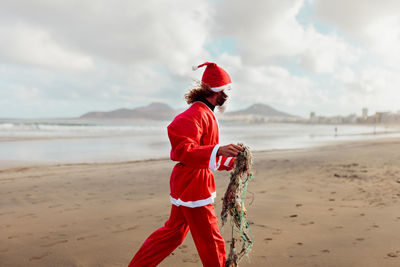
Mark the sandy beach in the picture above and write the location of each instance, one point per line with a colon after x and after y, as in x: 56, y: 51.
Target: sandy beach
x: 331, y: 206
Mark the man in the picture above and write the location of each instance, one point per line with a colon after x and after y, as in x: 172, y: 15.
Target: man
x: 195, y: 146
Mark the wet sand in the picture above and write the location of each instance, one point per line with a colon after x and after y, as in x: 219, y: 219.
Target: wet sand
x: 330, y: 206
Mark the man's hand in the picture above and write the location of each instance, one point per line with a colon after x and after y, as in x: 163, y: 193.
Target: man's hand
x: 231, y: 150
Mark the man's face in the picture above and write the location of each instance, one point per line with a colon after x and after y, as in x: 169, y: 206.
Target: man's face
x: 222, y: 97
x: 221, y: 101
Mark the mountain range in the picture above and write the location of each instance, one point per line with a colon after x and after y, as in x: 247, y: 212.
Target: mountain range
x: 161, y: 111
x: 154, y: 111
x: 260, y: 110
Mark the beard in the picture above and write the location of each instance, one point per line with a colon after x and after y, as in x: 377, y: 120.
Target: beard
x: 222, y: 105
x: 222, y: 108
x: 221, y: 102
x: 221, y: 99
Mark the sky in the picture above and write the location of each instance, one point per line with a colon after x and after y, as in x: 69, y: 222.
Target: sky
x: 68, y: 57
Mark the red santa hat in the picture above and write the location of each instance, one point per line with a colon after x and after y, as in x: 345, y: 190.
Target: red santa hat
x: 215, y: 77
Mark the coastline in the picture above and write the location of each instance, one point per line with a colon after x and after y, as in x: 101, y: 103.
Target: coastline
x: 9, y: 164
x: 53, y: 143
x: 334, y: 205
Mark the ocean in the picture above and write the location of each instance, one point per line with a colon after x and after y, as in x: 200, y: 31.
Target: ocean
x: 77, y: 141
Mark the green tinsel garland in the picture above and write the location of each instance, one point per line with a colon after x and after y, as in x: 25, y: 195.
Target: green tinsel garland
x: 234, y: 206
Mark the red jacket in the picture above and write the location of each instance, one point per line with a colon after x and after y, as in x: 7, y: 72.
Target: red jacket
x: 194, y: 144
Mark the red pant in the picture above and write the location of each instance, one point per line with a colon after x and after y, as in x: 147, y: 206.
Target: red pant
x: 203, y: 226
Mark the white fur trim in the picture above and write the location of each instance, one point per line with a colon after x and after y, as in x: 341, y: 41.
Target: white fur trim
x: 219, y: 162
x: 213, y: 159
x: 227, y: 161
x: 193, y: 204
x: 194, y: 68
x: 223, y: 87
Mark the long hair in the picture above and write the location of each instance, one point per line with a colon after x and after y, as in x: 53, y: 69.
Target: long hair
x: 198, y: 91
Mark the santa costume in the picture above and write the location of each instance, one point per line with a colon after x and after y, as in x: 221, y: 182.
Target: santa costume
x: 194, y: 144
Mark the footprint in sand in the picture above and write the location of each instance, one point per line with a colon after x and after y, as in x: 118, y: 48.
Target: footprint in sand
x: 277, y: 232
x: 69, y: 209
x: 85, y: 237
x: 39, y: 257
x: 13, y: 236
x: 183, y: 249
x: 325, y: 251
x: 55, y: 206
x: 91, y: 198
x: 360, y: 239
x: 31, y: 215
x: 307, y: 223
x: 190, y: 260
x: 394, y: 254
x: 268, y: 239
x: 54, y: 243
x: 372, y: 227
x: 125, y: 230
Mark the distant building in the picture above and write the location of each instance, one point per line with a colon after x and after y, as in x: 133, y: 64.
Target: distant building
x: 313, y: 118
x: 382, y: 116
x: 365, y: 113
x: 352, y: 118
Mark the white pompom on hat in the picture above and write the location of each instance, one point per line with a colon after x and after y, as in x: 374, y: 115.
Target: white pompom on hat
x: 215, y: 77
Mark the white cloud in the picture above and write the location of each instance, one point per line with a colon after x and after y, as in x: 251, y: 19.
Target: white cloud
x: 265, y: 29
x: 268, y: 30
x: 345, y: 75
x: 24, y: 44
x: 374, y: 23
x: 326, y: 53
x: 384, y: 37
x: 269, y: 84
x: 275, y: 85
x: 171, y: 33
x: 353, y: 16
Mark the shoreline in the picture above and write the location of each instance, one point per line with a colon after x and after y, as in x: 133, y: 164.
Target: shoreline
x: 8, y: 165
